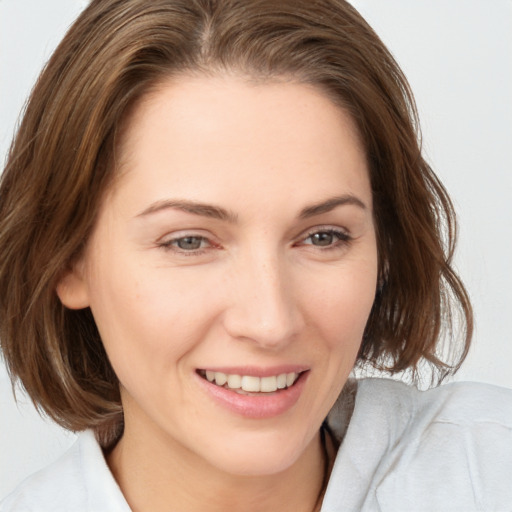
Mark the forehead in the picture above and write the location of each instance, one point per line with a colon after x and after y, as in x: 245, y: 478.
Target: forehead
x: 208, y: 136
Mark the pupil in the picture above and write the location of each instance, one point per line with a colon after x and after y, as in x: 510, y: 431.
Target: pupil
x: 322, y: 239
x: 189, y: 243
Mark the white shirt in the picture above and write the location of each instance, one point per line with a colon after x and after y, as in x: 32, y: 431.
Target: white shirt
x: 446, y: 449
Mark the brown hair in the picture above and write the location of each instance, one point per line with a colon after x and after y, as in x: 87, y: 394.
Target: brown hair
x: 63, y: 159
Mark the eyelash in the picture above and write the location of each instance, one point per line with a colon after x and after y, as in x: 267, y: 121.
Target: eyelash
x: 342, y: 237
x: 171, y: 245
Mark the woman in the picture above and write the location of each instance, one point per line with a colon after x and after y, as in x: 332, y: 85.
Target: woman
x: 212, y: 211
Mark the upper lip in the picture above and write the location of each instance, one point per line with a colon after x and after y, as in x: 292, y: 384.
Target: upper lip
x: 257, y: 371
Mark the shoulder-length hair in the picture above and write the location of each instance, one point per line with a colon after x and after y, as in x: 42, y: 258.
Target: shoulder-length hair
x: 63, y: 159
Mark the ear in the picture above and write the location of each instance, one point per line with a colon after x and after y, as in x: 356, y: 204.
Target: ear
x: 72, y: 288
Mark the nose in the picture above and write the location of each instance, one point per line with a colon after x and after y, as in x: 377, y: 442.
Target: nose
x: 263, y: 307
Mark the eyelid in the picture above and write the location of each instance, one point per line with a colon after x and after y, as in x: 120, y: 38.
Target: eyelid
x: 184, y: 233
x: 323, y: 229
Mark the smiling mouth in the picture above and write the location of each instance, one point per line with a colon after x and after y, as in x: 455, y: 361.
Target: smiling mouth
x: 248, y: 384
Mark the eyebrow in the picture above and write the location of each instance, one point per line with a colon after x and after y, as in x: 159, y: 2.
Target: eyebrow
x: 219, y: 213
x: 331, y: 204
x: 202, y: 209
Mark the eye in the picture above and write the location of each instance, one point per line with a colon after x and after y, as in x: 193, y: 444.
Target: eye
x: 322, y: 239
x: 326, y: 238
x: 190, y: 243
x: 186, y: 244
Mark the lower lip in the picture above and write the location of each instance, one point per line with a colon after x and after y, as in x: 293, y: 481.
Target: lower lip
x: 261, y: 406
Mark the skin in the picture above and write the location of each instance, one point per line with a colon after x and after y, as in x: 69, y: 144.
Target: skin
x: 265, y: 286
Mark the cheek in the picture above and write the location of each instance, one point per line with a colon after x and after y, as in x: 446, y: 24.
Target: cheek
x: 338, y: 308
x: 340, y: 304
x: 148, y: 318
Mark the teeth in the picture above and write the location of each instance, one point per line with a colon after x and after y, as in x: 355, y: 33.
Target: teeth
x: 268, y: 384
x: 252, y: 384
x: 234, y: 381
x: 220, y: 378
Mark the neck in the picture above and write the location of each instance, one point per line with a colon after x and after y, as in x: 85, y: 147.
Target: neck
x: 156, y: 475
x: 153, y: 482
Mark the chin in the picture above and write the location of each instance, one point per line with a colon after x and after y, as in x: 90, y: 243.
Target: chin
x: 266, y: 464
x: 259, y: 455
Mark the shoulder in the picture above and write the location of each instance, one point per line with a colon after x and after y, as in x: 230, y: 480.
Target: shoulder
x: 49, y: 489
x: 448, y: 448
x: 466, y: 404
x: 456, y: 452
x: 463, y: 424
x: 80, y: 481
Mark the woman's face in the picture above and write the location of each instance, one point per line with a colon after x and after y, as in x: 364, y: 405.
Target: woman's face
x: 237, y: 244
